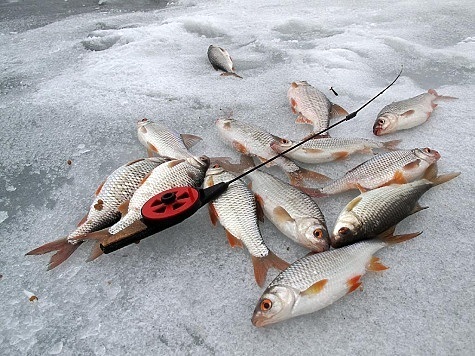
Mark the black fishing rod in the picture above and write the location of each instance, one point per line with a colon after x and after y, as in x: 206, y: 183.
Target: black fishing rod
x: 173, y: 206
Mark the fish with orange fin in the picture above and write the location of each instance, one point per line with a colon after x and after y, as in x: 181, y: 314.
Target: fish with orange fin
x: 405, y: 114
x: 177, y: 173
x: 104, y: 210
x: 158, y: 139
x: 316, y: 281
x: 327, y: 149
x: 376, y: 212
x: 236, y: 211
x: 386, y: 168
x: 252, y: 140
x: 221, y: 60
x: 312, y: 106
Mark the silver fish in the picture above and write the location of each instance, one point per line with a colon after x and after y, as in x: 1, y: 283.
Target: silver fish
x: 327, y: 149
x: 236, y: 211
x: 105, y: 209
x: 312, y: 105
x: 401, y: 115
x: 221, y: 60
x: 314, y: 282
x: 378, y: 211
x: 161, y: 140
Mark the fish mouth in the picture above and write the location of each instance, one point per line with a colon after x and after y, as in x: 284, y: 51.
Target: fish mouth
x: 377, y: 130
x: 259, y: 321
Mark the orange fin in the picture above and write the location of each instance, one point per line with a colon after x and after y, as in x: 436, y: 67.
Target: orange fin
x: 124, y: 207
x: 353, y: 283
x: 433, y: 92
x: 96, y: 252
x: 98, y: 190
x: 240, y: 147
x: 391, y: 145
x: 315, y: 288
x: 132, y: 162
x: 294, y: 85
x: 282, y: 215
x: 303, y: 120
x: 338, y: 156
x: 312, y: 150
x: 293, y: 105
x: 233, y: 240
x: 361, y: 188
x: 259, y: 207
x: 337, y: 110
x: 212, y: 214
x: 412, y: 165
x: 262, y: 265
x: 375, y: 265
x: 83, y: 220
x: 418, y: 208
x: 297, y: 177
x: 151, y: 148
x: 190, y: 140
x: 174, y: 163
x: 444, y: 178
x: 395, y: 239
x: 407, y: 113
x: 398, y: 178
x: 62, y: 246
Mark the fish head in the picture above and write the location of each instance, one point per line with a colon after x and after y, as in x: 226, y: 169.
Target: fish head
x: 224, y: 124
x: 347, y: 230
x: 276, y: 304
x: 427, y: 154
x: 143, y: 122
x: 384, y: 124
x: 201, y: 162
x: 214, y: 169
x: 313, y: 234
x: 281, y: 145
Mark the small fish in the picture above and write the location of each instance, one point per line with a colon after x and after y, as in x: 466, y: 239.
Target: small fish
x: 252, y: 140
x: 313, y: 106
x: 386, y: 168
x: 327, y: 149
x: 377, y: 212
x: 221, y: 60
x: 104, y: 210
x: 401, y: 115
x: 159, y: 139
x: 293, y: 212
x: 236, y: 211
x: 176, y: 173
x: 316, y: 281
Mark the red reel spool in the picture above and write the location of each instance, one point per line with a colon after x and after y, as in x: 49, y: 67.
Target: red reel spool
x: 171, y: 204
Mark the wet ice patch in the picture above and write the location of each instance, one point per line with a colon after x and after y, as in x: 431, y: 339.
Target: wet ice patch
x: 3, y: 216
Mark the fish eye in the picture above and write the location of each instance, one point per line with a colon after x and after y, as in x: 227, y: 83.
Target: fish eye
x: 284, y: 141
x: 343, y: 231
x: 318, y: 233
x: 427, y: 150
x: 216, y: 166
x: 144, y: 119
x: 266, y: 304
x: 381, y: 121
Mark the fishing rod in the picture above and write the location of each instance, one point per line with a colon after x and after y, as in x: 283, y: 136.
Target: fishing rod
x: 173, y: 206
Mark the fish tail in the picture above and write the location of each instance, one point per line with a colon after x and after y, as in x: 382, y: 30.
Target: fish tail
x: 263, y: 264
x: 227, y: 74
x: 297, y: 177
x: 444, y: 178
x: 391, y: 145
x: 63, y: 247
x: 100, y: 235
x: 441, y: 97
x: 395, y: 239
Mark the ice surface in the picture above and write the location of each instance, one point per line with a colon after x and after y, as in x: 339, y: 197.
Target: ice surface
x: 72, y: 88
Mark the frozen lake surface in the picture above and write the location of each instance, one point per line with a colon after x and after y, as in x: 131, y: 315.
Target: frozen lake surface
x: 75, y: 81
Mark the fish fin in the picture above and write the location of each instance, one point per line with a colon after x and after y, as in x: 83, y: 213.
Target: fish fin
x: 338, y: 156
x: 143, y: 129
x: 353, y: 283
x: 152, y: 148
x: 387, y: 233
x: 418, y: 208
x: 240, y: 147
x: 132, y: 162
x: 259, y: 207
x: 312, y: 192
x: 395, y: 239
x: 215, y: 67
x: 391, y: 145
x: 212, y: 214
x: 124, y: 207
x: 294, y: 85
x: 412, y: 165
x: 304, y: 174
x: 433, y: 92
x: 375, y: 265
x: 303, y: 120
x: 83, y: 220
x: 431, y: 172
x: 282, y: 214
x: 433, y: 105
x: 444, y: 178
x: 246, y: 163
x: 173, y: 163
x: 312, y: 136
x: 312, y: 150
x: 98, y: 190
x: 315, y: 288
x: 233, y: 240
x: 361, y: 188
x: 398, y: 178
x: 353, y: 203
x: 227, y: 74
x: 263, y: 160
x: 407, y: 113
x: 190, y: 140
x: 62, y: 246
x: 262, y: 265
x: 95, y: 252
x: 337, y: 110
x: 293, y: 105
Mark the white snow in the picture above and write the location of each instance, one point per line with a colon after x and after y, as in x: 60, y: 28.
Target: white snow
x: 73, y: 90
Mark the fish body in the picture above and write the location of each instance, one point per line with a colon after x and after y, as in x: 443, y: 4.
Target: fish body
x: 236, y: 211
x: 391, y: 167
x: 401, y: 115
x: 104, y: 210
x: 316, y: 281
x: 293, y: 212
x: 221, y: 60
x: 159, y: 139
x: 252, y: 140
x: 327, y: 149
x: 378, y: 211
x: 312, y: 105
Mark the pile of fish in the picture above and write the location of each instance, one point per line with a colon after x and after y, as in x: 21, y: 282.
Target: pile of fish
x: 390, y: 186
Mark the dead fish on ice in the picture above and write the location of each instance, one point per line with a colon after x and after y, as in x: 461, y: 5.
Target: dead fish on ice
x: 377, y: 211
x: 401, y: 115
x: 236, y: 211
x: 327, y: 149
x: 161, y: 140
x: 221, y: 60
x: 316, y: 281
x: 313, y: 106
x: 104, y: 211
